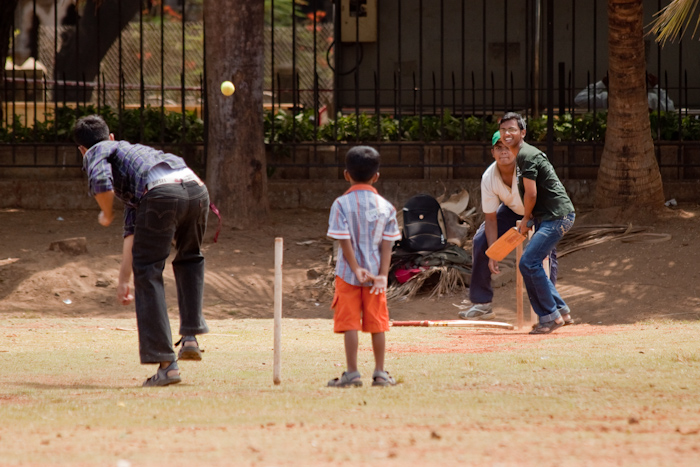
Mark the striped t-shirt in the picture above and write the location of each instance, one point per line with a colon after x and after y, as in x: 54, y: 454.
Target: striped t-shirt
x: 367, y: 219
x: 124, y: 168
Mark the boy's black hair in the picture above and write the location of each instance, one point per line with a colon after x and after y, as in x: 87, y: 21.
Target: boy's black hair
x: 514, y: 116
x: 362, y: 162
x: 90, y: 130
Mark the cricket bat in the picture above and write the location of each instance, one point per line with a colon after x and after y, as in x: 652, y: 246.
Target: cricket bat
x: 505, y: 244
x: 458, y: 323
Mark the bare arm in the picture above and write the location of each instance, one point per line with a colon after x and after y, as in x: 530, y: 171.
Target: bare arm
x: 106, y: 201
x: 491, y: 231
x: 491, y: 227
x: 349, y: 255
x: 381, y: 281
x: 529, y: 199
x: 123, y: 294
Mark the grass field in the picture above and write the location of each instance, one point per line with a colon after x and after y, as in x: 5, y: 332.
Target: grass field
x: 70, y: 395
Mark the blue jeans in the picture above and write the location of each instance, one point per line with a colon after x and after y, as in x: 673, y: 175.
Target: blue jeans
x: 175, y: 211
x: 544, y: 298
x: 480, y: 290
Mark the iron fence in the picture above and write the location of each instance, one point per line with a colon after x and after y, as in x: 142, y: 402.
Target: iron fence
x: 423, y: 81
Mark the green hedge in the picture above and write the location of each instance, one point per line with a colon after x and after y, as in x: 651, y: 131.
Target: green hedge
x: 284, y: 127
x: 57, y: 127
x: 350, y: 128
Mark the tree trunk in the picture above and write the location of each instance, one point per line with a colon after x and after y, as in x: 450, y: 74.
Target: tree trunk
x: 236, y: 169
x: 629, y: 174
x: 7, y: 16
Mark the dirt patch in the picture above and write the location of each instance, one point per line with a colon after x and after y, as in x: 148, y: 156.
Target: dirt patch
x: 607, y: 284
x: 484, y: 340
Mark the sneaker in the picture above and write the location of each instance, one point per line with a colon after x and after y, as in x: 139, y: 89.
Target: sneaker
x: 480, y: 311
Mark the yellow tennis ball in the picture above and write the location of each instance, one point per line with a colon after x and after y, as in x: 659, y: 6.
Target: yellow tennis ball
x: 227, y: 88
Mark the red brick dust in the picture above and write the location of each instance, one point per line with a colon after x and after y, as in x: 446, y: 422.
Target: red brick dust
x: 485, y: 341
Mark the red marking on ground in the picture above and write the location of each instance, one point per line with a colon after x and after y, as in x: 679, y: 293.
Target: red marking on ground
x: 484, y: 341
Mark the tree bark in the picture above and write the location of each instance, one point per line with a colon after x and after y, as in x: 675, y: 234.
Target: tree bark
x: 236, y: 168
x: 629, y: 174
x: 7, y: 16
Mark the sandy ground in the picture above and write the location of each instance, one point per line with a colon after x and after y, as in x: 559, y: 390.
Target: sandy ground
x: 607, y: 284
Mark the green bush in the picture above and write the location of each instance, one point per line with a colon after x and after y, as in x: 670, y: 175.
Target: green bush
x: 152, y: 126
x: 691, y: 128
x: 57, y: 126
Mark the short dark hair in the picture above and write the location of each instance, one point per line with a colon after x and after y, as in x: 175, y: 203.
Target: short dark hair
x: 362, y: 162
x: 514, y: 116
x: 90, y: 130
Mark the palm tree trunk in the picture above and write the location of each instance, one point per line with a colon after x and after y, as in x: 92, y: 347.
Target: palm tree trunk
x: 629, y: 174
x: 236, y: 169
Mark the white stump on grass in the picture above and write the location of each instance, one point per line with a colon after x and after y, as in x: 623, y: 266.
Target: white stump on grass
x: 276, y: 371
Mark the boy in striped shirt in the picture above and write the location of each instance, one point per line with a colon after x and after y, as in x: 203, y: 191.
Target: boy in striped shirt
x: 365, y: 226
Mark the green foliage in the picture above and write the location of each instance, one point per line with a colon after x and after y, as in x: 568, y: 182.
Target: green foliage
x: 284, y: 10
x: 135, y: 126
x: 691, y: 128
x: 282, y: 127
x: 353, y: 128
x: 581, y: 128
x: 152, y: 126
x: 664, y: 126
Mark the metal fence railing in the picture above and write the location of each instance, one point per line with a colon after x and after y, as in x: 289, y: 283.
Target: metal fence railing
x: 423, y: 81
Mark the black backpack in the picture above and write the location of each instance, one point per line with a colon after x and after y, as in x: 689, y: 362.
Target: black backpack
x: 422, y: 230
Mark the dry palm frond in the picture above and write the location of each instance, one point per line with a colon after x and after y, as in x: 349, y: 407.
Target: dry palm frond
x: 586, y: 236
x: 450, y: 280
x: 673, y: 20
x: 326, y: 280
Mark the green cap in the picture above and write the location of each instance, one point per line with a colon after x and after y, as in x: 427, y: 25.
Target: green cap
x: 494, y: 139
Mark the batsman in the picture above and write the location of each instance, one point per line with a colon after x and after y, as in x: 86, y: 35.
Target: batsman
x: 547, y: 205
x: 503, y: 207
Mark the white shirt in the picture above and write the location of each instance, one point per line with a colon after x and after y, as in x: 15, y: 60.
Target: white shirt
x: 494, y: 192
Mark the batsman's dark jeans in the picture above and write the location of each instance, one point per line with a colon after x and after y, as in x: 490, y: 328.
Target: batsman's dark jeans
x: 174, y: 211
x: 480, y: 290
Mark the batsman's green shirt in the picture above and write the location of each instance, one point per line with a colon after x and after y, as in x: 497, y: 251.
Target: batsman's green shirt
x: 552, y: 200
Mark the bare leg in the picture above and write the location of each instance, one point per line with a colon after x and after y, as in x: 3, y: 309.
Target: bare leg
x: 379, y: 347
x: 351, y: 344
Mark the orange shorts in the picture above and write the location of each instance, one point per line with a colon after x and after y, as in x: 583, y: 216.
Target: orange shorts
x: 356, y: 309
